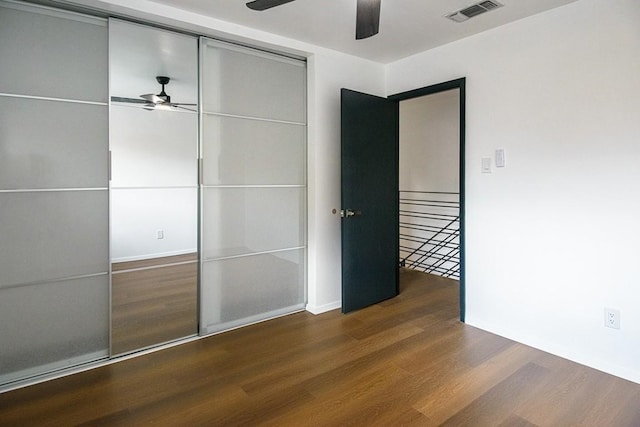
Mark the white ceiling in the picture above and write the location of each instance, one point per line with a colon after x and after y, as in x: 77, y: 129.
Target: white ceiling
x: 406, y: 26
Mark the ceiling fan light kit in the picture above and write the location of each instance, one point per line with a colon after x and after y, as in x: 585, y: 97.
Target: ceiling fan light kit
x: 367, y: 14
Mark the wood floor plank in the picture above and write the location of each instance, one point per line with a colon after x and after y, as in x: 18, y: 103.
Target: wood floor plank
x: 579, y: 395
x: 341, y: 405
x: 498, y: 404
x: 405, y: 361
x: 516, y: 421
x: 323, y: 361
x: 455, y: 394
x: 154, y: 304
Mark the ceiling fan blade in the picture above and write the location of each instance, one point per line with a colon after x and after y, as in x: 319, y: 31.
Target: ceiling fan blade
x: 265, y: 4
x: 153, y: 98
x: 367, y: 18
x: 168, y: 107
x: 128, y: 100
x: 180, y: 106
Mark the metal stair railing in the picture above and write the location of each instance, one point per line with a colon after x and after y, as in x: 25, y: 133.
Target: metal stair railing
x: 430, y: 232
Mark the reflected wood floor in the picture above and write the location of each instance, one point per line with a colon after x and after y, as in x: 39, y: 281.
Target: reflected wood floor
x: 153, y: 301
x: 406, y: 361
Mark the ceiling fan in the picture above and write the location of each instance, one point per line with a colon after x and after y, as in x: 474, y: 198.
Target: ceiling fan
x: 152, y: 101
x: 367, y: 14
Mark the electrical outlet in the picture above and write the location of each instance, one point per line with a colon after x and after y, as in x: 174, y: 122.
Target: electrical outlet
x: 612, y: 318
x: 159, y: 234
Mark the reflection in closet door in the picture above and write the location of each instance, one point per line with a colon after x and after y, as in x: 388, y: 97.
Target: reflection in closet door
x: 154, y: 203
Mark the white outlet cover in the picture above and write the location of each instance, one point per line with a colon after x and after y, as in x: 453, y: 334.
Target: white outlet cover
x: 500, y: 159
x: 612, y: 318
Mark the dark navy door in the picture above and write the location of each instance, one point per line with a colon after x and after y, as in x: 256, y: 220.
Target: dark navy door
x: 369, y: 199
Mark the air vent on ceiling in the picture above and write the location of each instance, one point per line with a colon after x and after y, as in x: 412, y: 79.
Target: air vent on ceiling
x: 473, y: 10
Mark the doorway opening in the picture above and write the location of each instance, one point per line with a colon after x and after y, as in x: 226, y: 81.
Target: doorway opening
x: 431, y: 182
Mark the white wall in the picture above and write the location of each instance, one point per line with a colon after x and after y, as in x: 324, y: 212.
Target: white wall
x: 430, y: 142
x: 154, y: 183
x: 329, y: 72
x: 552, y: 238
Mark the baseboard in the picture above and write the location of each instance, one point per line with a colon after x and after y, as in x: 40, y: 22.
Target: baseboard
x: 152, y: 256
x: 562, y: 351
x: 319, y: 309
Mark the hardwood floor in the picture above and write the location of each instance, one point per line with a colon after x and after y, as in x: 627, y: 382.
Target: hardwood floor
x: 406, y: 361
x: 153, y: 301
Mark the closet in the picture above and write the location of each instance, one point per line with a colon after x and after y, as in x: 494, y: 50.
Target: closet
x: 200, y: 198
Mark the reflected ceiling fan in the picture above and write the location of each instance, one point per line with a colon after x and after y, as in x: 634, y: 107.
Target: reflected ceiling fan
x: 154, y: 101
x: 367, y: 14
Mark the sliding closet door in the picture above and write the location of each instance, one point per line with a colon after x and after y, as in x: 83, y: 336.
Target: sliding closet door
x: 254, y: 186
x: 154, y: 187
x: 54, y: 281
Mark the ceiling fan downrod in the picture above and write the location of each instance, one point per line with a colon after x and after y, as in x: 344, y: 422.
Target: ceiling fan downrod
x: 163, y: 80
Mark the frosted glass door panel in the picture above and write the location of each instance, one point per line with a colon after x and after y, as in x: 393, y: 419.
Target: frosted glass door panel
x: 153, y: 148
x: 249, y: 220
x: 54, y: 223
x: 248, y: 83
x: 52, y: 54
x: 253, y: 224
x: 247, y: 289
x: 242, y: 151
x: 67, y: 148
x: 53, y: 326
x: 53, y: 235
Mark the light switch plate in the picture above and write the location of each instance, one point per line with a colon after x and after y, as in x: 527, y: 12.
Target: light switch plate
x: 486, y: 165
